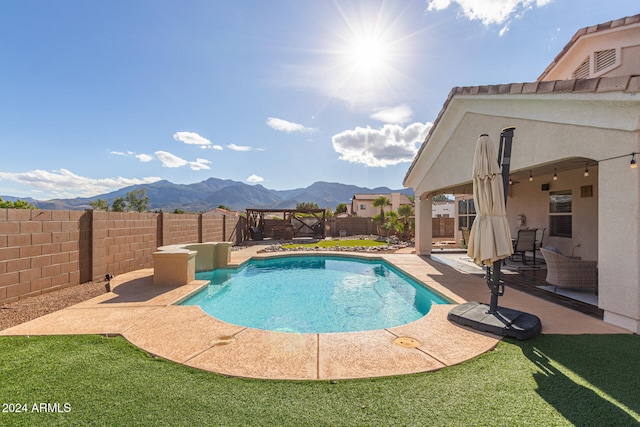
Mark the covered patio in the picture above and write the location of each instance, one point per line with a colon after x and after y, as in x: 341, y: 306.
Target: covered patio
x: 566, y: 145
x: 530, y: 280
x: 573, y: 165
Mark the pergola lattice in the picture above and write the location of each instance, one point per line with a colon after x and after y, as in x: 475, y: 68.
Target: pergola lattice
x: 291, y: 218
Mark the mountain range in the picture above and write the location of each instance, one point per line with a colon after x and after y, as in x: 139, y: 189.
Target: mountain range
x: 213, y: 192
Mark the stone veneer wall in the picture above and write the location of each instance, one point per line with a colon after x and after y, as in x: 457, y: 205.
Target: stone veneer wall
x: 41, y: 251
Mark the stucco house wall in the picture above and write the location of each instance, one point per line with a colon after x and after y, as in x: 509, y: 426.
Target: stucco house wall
x: 360, y: 201
x: 562, y: 126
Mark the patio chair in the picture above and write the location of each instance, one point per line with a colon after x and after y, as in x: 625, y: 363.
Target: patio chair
x: 256, y: 234
x: 465, y: 236
x: 539, y: 239
x: 569, y: 272
x: 526, y: 242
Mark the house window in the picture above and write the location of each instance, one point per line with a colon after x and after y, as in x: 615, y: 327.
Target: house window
x: 363, y: 207
x: 466, y: 213
x: 560, y: 217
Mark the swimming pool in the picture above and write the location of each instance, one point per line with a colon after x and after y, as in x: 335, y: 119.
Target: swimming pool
x: 314, y: 294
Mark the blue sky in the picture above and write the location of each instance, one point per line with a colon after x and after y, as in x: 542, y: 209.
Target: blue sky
x: 99, y: 95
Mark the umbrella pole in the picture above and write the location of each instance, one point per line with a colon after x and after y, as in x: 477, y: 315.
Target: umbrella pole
x: 504, y: 159
x: 495, y: 285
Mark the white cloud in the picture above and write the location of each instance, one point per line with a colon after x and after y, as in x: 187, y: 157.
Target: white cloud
x: 169, y: 160
x: 255, y: 178
x: 144, y: 158
x: 122, y: 153
x: 65, y: 184
x: 200, y: 164
x: 286, y: 126
x: 172, y: 161
x: 214, y: 147
x: 191, y: 138
x: 389, y: 145
x: 490, y: 12
x: 399, y: 114
x: 235, y: 147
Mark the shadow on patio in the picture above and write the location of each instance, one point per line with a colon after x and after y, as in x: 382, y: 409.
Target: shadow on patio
x: 526, y: 279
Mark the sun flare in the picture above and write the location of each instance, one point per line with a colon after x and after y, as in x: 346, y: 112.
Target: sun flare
x: 368, y: 52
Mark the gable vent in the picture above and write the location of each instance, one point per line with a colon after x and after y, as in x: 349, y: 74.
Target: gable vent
x: 582, y: 72
x: 605, y: 59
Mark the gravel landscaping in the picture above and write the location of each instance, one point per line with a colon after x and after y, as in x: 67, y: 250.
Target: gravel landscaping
x: 25, y: 309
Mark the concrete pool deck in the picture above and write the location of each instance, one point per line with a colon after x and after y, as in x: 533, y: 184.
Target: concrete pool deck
x: 144, y: 314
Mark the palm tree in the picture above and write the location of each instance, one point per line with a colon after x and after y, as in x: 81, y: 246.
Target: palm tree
x: 392, y: 224
x: 405, y: 211
x: 380, y: 202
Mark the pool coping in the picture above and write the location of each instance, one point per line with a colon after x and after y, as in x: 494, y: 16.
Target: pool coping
x: 146, y: 315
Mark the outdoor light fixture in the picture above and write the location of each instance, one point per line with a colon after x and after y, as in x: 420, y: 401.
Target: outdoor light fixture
x: 586, y: 170
x: 108, y: 278
x: 632, y: 163
x: 530, y: 176
x: 555, y: 174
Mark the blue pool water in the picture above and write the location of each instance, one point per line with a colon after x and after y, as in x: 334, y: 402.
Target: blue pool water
x: 314, y: 294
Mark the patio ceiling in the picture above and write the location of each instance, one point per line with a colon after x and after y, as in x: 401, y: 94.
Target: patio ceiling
x: 523, y: 174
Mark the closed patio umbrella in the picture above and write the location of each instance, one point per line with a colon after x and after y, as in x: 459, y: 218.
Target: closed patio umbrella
x: 490, y: 243
x: 490, y: 238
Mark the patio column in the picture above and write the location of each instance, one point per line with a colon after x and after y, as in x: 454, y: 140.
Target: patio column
x: 618, y: 243
x: 424, y: 233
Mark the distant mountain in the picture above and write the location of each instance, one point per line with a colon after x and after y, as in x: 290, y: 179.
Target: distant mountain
x: 213, y: 192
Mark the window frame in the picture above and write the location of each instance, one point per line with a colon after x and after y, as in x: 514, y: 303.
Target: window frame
x: 467, y: 215
x: 561, y: 214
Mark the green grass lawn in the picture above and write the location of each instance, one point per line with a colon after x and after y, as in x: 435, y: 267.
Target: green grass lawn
x: 550, y: 380
x: 332, y: 243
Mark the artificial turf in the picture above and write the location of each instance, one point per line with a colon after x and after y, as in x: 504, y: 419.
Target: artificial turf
x: 94, y: 380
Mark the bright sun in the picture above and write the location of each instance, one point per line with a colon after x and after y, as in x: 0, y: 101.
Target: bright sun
x: 372, y: 52
x: 368, y: 53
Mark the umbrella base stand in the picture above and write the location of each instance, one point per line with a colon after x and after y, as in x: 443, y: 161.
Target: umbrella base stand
x: 504, y: 321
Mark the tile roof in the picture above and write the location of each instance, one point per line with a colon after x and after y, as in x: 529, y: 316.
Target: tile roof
x: 628, y: 20
x: 369, y: 196
x: 629, y: 84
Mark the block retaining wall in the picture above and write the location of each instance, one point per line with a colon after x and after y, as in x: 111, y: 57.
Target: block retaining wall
x: 41, y: 251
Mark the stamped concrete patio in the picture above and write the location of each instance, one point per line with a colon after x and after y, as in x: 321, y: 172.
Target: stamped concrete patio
x: 146, y: 315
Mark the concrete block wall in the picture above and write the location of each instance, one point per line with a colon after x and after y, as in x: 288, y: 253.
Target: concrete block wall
x: 213, y: 228
x: 352, y: 225
x: 123, y: 241
x: 39, y: 251
x: 180, y: 228
x: 235, y: 228
x: 443, y: 227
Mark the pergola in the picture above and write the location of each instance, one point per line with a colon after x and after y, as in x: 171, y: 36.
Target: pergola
x: 291, y: 219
